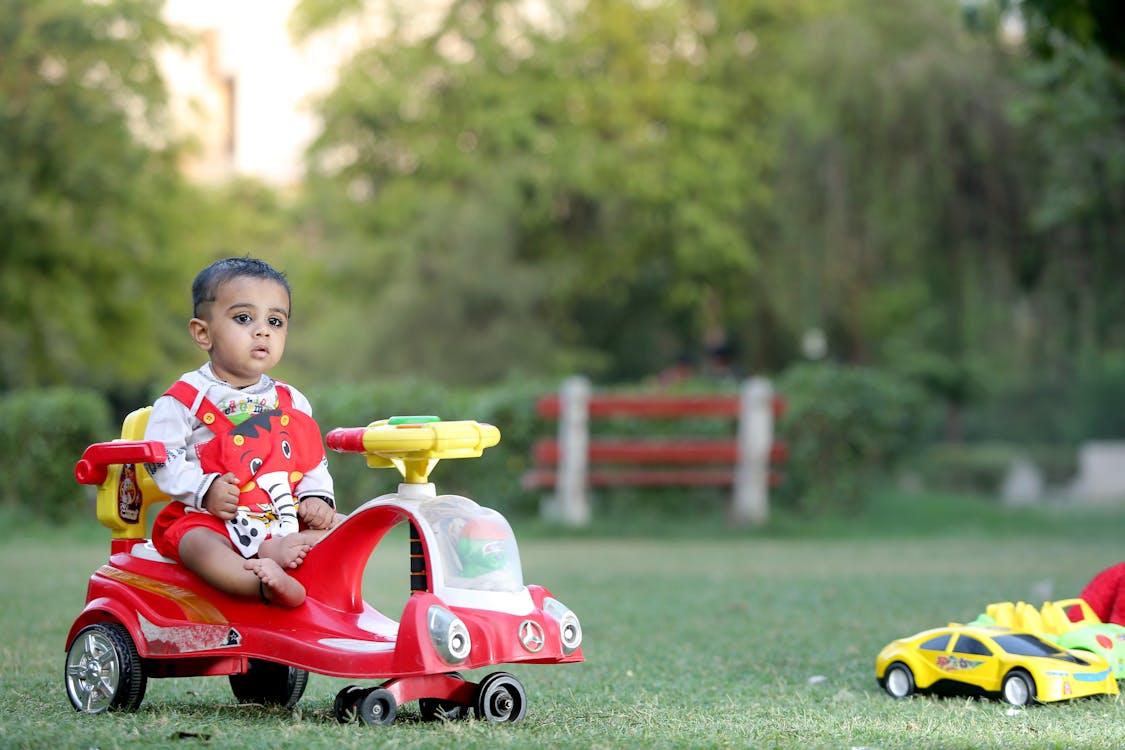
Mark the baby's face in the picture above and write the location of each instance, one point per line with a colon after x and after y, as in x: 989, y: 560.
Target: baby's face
x: 244, y: 329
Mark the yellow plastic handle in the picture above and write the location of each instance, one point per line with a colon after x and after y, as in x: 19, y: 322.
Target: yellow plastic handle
x: 414, y: 446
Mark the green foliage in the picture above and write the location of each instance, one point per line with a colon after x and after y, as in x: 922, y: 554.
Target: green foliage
x: 981, y: 467
x: 604, y: 163
x: 42, y: 436
x: 1099, y: 23
x: 1099, y: 399
x: 845, y: 428
x: 492, y: 480
x: 92, y: 207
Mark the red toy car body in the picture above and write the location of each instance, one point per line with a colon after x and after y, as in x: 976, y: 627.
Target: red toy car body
x: 146, y: 616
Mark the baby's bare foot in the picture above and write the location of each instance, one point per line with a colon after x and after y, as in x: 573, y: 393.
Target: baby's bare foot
x: 277, y: 585
x: 287, y: 551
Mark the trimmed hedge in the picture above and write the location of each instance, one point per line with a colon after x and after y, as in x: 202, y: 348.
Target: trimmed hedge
x: 845, y: 428
x: 42, y: 436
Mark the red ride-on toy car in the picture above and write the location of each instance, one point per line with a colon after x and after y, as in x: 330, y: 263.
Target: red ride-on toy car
x: 148, y: 617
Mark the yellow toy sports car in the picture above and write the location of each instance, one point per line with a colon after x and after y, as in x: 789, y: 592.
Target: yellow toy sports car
x: 965, y: 660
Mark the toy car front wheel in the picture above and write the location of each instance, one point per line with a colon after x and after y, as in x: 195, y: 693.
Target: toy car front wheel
x: 270, y: 683
x: 500, y: 697
x: 104, y: 670
x: 378, y: 708
x: 899, y: 681
x: 1018, y: 688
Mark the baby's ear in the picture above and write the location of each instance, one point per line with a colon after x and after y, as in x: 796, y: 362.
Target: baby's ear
x: 200, y: 333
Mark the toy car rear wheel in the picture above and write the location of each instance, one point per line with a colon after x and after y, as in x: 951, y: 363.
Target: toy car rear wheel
x: 346, y: 705
x: 500, y: 697
x: 899, y: 681
x: 104, y: 670
x: 378, y: 708
x: 270, y: 683
x: 1018, y: 688
x: 437, y: 709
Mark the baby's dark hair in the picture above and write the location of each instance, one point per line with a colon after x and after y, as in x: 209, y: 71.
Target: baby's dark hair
x: 205, y: 288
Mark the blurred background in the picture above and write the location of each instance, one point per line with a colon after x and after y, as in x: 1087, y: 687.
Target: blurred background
x: 909, y: 216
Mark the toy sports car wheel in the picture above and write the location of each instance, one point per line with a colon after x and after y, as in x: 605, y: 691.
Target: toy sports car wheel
x: 1018, y: 688
x: 270, y: 683
x: 899, y: 681
x: 378, y: 708
x: 500, y: 697
x: 103, y: 670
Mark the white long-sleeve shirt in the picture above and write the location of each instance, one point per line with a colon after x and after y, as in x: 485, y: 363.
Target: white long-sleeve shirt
x: 173, y: 424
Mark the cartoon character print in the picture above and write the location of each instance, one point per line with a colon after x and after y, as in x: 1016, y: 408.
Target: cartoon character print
x: 268, y: 454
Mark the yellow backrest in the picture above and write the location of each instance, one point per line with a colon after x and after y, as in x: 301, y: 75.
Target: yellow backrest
x: 1055, y: 620
x: 128, y: 491
x: 1003, y: 613
x: 1028, y: 618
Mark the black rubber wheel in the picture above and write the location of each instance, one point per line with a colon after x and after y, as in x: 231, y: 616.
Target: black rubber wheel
x: 270, y: 684
x: 1018, y: 688
x: 435, y: 709
x: 500, y: 697
x: 899, y: 681
x: 103, y: 670
x: 378, y: 708
x: 346, y: 705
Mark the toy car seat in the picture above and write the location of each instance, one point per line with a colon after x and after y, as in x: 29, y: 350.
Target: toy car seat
x: 125, y: 489
x: 1003, y: 613
x: 1028, y: 618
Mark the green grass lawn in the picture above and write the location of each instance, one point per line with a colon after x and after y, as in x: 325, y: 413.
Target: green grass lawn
x: 712, y: 640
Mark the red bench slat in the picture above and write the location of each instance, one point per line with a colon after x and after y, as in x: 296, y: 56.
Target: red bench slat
x: 692, y: 451
x: 544, y: 478
x: 659, y: 405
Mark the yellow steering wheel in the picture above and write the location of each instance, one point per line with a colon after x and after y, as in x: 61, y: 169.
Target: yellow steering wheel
x: 413, y: 444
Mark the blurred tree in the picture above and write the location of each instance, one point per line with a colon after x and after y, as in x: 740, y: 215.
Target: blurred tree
x: 582, y: 180
x: 903, y: 195
x: 92, y: 207
x: 1099, y: 23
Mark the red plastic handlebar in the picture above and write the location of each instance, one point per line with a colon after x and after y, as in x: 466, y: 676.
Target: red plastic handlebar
x: 91, y: 468
x: 346, y: 439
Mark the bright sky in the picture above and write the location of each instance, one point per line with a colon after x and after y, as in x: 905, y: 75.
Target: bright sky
x: 273, y: 79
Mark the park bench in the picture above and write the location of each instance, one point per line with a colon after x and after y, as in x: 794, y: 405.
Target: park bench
x: 576, y: 461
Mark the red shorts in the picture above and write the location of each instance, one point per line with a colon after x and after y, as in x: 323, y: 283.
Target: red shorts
x: 174, y: 521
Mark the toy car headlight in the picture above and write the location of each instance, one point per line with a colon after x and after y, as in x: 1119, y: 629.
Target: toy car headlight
x: 569, y: 627
x: 448, y: 634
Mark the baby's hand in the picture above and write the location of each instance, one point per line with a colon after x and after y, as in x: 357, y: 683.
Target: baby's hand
x: 221, y: 499
x: 316, y: 513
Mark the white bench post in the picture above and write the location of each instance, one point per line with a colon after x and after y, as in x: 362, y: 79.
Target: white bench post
x: 571, y: 503
x: 750, y: 501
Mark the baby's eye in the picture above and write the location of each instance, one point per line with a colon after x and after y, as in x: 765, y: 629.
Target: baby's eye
x: 277, y: 322
x: 242, y: 318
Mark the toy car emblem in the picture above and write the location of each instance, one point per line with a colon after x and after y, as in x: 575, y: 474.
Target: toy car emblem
x: 531, y: 636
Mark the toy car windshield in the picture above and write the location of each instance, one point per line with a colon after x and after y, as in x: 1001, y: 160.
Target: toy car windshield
x: 476, y: 545
x: 1026, y: 644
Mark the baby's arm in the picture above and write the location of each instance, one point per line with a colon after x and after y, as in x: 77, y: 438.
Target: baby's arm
x: 221, y: 499
x: 316, y: 513
x: 179, y: 477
